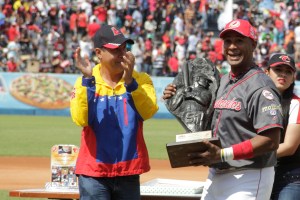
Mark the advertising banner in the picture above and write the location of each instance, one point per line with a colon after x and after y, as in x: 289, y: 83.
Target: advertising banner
x: 49, y: 94
x: 35, y: 94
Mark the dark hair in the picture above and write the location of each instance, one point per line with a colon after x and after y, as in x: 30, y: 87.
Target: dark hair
x: 285, y: 103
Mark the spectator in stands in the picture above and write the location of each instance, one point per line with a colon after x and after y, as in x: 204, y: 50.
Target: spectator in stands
x: 112, y: 15
x: 101, y: 13
x: 159, y: 62
x: 138, y: 51
x: 13, y: 32
x: 24, y: 42
x: 92, y: 28
x: 297, y: 40
x: 179, y: 24
x: 82, y: 22
x: 181, y: 51
x: 13, y: 50
x: 73, y: 22
x: 12, y: 65
x: 52, y: 16
x: 192, y: 43
x: 55, y: 62
x: 147, y: 61
x: 190, y: 16
x: 290, y: 48
x: 150, y: 27
x: 169, y: 16
x: 137, y: 16
x: 86, y: 46
x: 129, y: 23
x: 42, y: 6
x: 2, y: 18
x: 63, y: 25
x: 160, y: 17
x: 173, y: 65
x: 279, y: 25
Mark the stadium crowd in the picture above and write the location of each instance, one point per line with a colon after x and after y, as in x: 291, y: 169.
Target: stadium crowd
x: 42, y: 35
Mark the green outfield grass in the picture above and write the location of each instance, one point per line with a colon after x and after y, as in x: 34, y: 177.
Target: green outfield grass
x: 35, y: 135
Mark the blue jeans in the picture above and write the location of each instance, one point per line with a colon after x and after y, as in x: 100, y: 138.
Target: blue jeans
x: 109, y: 188
x: 286, y: 185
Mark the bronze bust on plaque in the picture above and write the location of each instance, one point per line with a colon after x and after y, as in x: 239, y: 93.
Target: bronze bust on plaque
x: 192, y: 103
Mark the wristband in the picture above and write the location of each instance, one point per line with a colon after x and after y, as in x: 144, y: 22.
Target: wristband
x: 226, y: 154
x: 243, y: 150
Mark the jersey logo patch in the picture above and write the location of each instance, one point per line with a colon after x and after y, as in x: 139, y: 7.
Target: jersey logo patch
x: 228, y: 104
x: 268, y: 94
x: 273, y: 108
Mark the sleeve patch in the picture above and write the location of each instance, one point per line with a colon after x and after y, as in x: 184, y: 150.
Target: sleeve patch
x: 268, y: 95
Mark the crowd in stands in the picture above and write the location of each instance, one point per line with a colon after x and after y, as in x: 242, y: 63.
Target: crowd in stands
x: 42, y: 35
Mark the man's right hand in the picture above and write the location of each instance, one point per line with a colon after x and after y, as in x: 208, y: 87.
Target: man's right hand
x: 83, y: 64
x: 211, y: 156
x: 169, y: 91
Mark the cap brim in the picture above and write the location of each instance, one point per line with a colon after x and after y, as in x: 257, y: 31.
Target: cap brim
x: 283, y: 63
x: 116, y: 45
x: 221, y: 35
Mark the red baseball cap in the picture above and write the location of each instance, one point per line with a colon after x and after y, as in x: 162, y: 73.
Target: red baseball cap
x: 181, y: 41
x: 282, y: 59
x: 128, y: 17
x: 109, y: 37
x: 241, y: 26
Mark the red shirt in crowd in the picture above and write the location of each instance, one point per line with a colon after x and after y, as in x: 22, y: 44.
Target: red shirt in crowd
x: 218, y: 46
x: 279, y: 24
x: 212, y: 55
x: 82, y: 20
x: 148, y: 44
x: 12, y: 33
x: 92, y: 29
x: 173, y: 64
x: 11, y: 66
x: 101, y: 13
x: 73, y: 21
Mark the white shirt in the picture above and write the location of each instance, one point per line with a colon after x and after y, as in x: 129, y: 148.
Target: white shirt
x: 179, y: 24
x: 137, y: 16
x: 43, y: 7
x: 192, y: 42
x: 297, y: 34
x: 294, y: 113
x: 112, y: 17
x: 150, y: 25
x: 13, y: 49
x: 180, y: 49
x: 137, y: 52
x: 87, y: 7
x: 121, y: 4
x: 86, y: 48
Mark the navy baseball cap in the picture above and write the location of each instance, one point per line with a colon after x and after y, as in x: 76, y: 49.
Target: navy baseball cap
x: 282, y: 59
x: 109, y: 37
